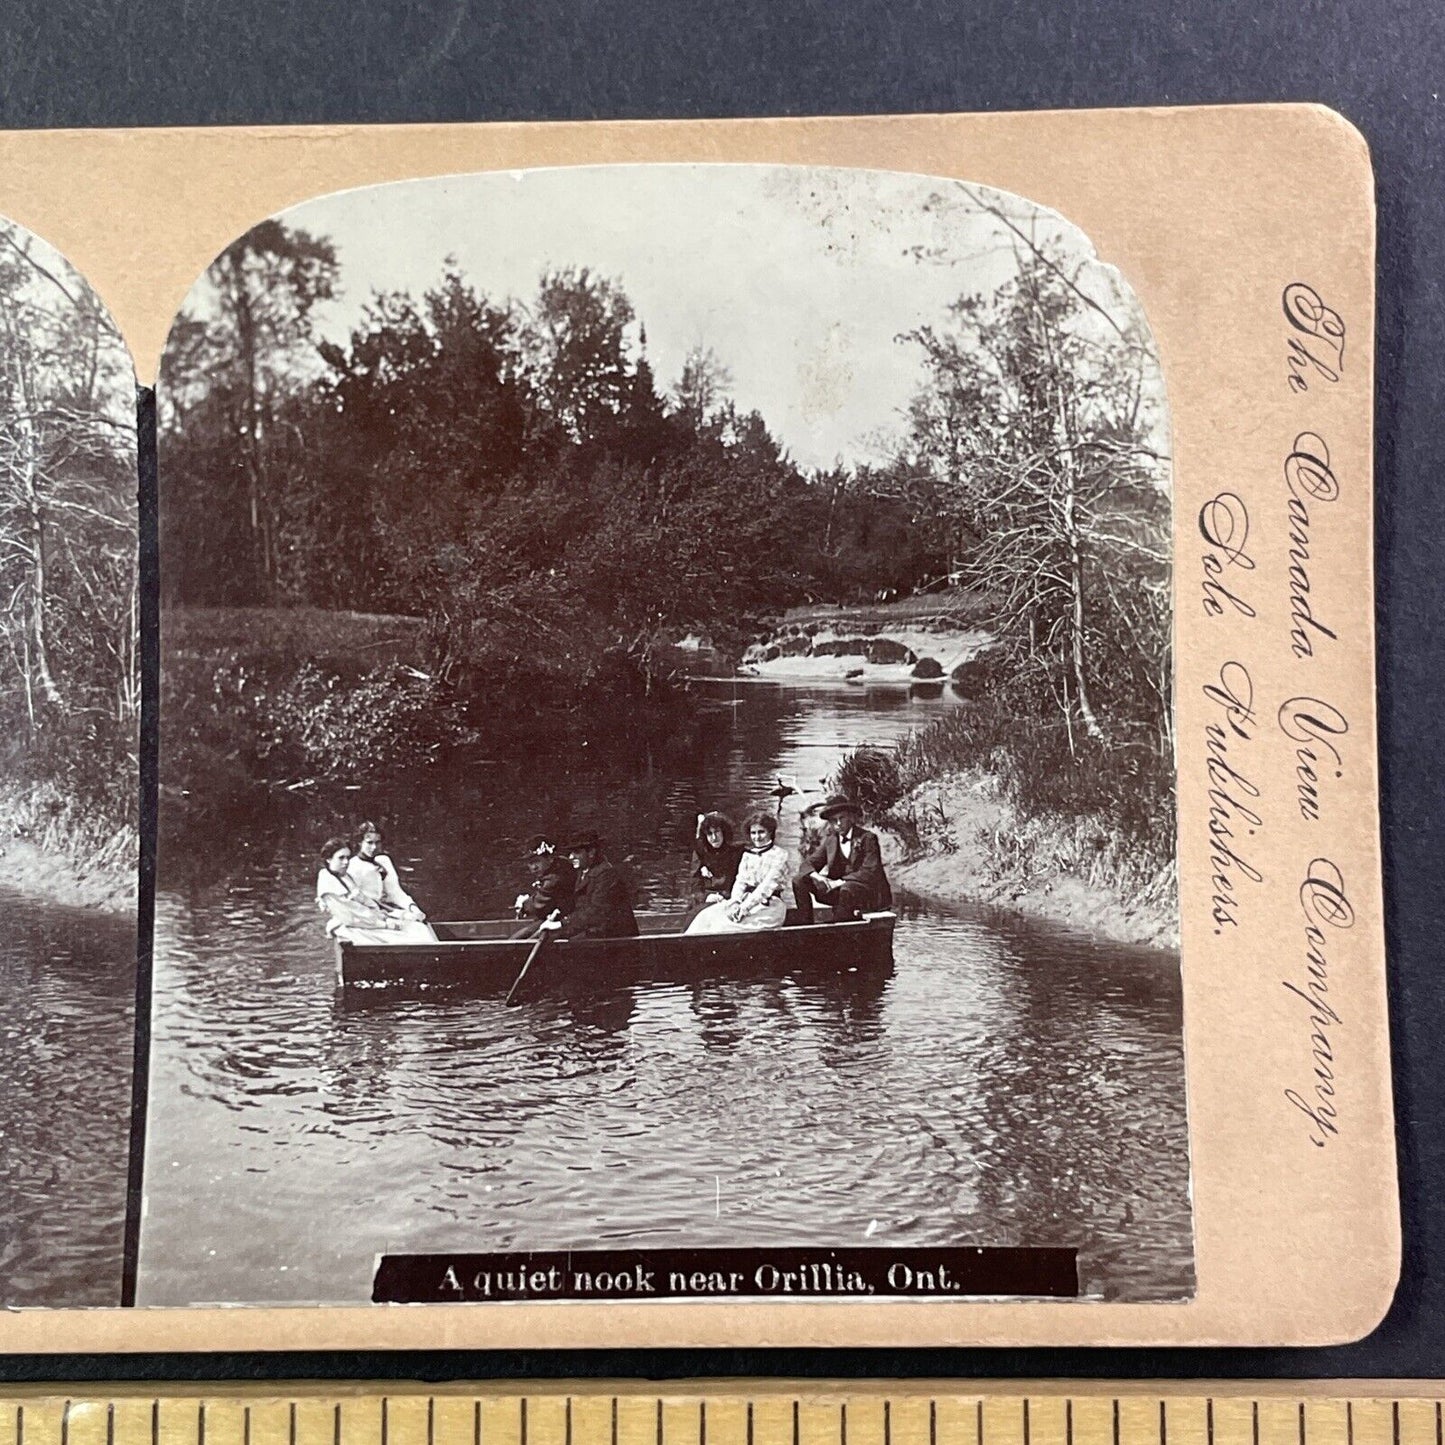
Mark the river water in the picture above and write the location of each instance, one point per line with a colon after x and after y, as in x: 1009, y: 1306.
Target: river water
x: 67, y: 1013
x: 1009, y: 1084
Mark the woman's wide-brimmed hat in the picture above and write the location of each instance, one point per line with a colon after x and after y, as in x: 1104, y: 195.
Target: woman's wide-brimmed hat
x: 838, y: 804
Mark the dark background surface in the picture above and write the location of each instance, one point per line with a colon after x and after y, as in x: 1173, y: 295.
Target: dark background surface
x: 184, y: 62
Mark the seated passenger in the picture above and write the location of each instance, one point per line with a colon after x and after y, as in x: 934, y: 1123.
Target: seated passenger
x: 845, y: 870
x: 602, y: 907
x: 757, y: 899
x: 715, y: 858
x: 352, y: 916
x: 552, y: 889
x: 376, y: 877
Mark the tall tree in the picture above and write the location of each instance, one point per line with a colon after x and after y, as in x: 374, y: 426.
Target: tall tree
x: 1036, y: 427
x: 703, y: 387
x: 576, y: 353
x: 244, y: 348
x: 67, y: 510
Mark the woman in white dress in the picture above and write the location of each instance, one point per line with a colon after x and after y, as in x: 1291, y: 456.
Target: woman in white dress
x: 353, y: 917
x: 376, y: 877
x: 760, y: 889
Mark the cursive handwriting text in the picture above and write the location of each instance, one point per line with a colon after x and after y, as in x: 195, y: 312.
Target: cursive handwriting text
x: 1224, y: 525
x: 1309, y: 478
x: 1326, y: 906
x: 1315, y: 349
x: 1233, y: 798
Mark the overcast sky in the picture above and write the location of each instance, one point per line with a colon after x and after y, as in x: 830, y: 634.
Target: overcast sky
x: 801, y: 279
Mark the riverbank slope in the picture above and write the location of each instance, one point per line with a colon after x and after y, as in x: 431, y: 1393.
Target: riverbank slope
x: 53, y: 850
x: 958, y: 839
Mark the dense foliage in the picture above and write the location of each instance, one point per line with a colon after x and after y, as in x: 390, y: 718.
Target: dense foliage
x: 514, y: 474
x: 1038, y: 440
x: 514, y: 477
x: 69, y: 678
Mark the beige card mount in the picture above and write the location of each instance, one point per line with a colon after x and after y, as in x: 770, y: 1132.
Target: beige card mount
x: 1102, y: 381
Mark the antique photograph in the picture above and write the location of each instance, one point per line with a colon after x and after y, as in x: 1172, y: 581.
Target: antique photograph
x: 666, y: 736
x: 70, y: 696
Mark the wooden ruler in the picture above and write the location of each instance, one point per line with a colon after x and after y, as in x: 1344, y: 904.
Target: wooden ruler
x: 734, y: 1413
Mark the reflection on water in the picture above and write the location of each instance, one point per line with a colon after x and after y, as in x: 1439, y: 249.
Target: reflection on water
x: 1008, y: 1084
x: 66, y: 1028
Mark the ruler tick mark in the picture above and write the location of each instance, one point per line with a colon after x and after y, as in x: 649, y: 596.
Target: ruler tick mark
x: 65, y: 1424
x: 20, y: 1425
x: 1395, y: 1421
x: 431, y: 1419
x: 842, y: 1425
x: 1349, y: 1422
x: 291, y: 1424
x: 614, y: 1422
x: 888, y: 1423
x: 1068, y: 1422
x: 476, y: 1423
x: 336, y: 1424
x: 701, y: 1423
x: 1163, y: 1426
x: 1254, y: 1420
x: 523, y: 1435
x: 1301, y: 1422
x: 201, y: 1423
x: 1026, y: 1420
x: 155, y: 1421
x: 1439, y: 1432
x: 1116, y: 1421
x: 796, y: 1431
x: 750, y: 1424
x: 110, y: 1423
x: 246, y: 1426
x: 1209, y: 1420
x: 567, y: 1422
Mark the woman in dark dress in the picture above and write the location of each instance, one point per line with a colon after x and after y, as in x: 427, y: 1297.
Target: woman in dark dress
x: 715, y: 858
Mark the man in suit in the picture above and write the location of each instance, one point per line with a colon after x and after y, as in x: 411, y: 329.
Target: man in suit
x: 602, y: 905
x: 845, y: 870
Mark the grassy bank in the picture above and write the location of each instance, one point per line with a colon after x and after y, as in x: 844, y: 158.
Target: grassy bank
x: 55, y: 848
x: 982, y: 807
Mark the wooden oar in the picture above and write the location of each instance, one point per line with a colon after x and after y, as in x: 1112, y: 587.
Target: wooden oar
x: 542, y: 937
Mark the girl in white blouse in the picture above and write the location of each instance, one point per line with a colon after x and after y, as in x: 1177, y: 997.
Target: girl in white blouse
x: 759, y: 894
x: 376, y: 877
x: 352, y: 916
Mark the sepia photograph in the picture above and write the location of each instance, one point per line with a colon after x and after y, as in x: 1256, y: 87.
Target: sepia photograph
x: 69, y: 781
x: 666, y: 747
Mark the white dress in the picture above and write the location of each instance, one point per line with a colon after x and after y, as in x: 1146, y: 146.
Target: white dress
x: 758, y: 895
x: 378, y: 882
x: 354, y: 918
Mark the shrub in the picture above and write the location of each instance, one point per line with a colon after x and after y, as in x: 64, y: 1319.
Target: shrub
x: 929, y: 668
x: 871, y: 778
x: 983, y: 673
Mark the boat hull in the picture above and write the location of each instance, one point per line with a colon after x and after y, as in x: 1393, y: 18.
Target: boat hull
x: 481, y: 957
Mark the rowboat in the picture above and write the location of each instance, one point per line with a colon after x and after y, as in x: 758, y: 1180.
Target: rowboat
x: 482, y: 956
